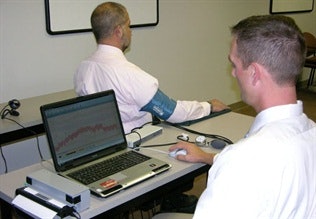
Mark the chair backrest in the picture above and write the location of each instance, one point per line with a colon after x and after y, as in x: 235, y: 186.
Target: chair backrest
x: 310, y: 40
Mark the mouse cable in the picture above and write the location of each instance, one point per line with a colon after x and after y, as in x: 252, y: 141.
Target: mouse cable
x: 152, y: 149
x: 219, y: 137
x: 161, y: 145
x: 31, y: 131
x: 156, y: 145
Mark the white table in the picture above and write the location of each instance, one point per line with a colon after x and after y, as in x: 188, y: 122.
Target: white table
x: 231, y: 125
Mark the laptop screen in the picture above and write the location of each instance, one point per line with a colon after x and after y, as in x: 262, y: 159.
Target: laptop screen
x: 83, y: 128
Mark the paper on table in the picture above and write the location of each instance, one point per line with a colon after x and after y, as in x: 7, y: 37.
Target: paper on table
x: 33, y: 208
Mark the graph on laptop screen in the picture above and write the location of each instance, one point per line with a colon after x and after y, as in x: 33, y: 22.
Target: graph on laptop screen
x: 82, y: 128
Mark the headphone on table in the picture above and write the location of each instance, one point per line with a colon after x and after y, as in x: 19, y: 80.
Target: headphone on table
x: 14, y: 104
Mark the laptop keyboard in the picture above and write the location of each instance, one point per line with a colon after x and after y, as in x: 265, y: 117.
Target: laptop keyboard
x: 108, y: 167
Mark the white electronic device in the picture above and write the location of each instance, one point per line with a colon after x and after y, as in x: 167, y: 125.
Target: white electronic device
x: 63, y: 190
x: 38, y: 205
x: 142, y: 134
x: 200, y: 140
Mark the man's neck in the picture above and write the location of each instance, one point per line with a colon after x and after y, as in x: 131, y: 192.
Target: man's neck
x: 110, y: 42
x: 276, y: 97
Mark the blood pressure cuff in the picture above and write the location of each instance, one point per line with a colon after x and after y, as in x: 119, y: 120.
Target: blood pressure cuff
x: 160, y: 105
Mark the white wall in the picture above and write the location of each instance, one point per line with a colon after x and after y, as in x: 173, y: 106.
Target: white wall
x: 187, y: 52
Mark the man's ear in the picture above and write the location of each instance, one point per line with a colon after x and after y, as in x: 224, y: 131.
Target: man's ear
x: 118, y: 31
x: 255, y: 73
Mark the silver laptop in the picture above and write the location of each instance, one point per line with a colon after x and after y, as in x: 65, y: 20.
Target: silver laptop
x: 86, y: 138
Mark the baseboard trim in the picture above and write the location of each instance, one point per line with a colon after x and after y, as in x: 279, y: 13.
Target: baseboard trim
x: 238, y: 105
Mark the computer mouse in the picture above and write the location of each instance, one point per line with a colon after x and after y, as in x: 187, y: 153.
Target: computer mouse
x: 177, y: 152
x: 218, y: 144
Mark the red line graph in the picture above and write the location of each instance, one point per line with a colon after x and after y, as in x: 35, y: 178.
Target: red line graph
x: 85, y: 129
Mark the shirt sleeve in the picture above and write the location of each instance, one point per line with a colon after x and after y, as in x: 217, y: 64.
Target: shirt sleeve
x: 189, y: 110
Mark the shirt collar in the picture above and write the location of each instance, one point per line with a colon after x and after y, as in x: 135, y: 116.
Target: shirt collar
x: 275, y: 113
x: 111, y: 49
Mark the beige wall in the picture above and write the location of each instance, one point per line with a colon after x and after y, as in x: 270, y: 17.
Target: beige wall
x: 187, y: 51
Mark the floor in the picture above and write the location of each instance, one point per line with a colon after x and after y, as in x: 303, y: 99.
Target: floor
x: 309, y: 101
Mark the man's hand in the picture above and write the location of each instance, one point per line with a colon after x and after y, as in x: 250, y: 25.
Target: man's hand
x: 194, y: 153
x: 217, y: 105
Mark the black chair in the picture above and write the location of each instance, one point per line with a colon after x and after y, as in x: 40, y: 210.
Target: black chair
x: 310, y: 61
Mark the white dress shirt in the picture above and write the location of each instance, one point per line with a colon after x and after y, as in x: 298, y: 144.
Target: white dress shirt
x: 271, y: 174
x: 108, y: 68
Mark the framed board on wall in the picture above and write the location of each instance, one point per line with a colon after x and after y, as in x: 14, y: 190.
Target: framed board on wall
x: 291, y: 6
x: 68, y: 16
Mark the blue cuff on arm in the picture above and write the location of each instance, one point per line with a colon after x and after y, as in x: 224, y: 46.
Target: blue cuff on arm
x: 160, y: 105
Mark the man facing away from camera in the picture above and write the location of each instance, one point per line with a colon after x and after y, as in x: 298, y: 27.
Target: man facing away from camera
x: 137, y: 92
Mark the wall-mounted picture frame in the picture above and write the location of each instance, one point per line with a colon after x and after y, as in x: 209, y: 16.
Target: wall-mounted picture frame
x: 69, y: 16
x: 291, y: 6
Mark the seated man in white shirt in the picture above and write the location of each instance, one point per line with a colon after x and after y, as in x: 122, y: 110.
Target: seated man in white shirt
x: 272, y: 172
x: 137, y: 92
